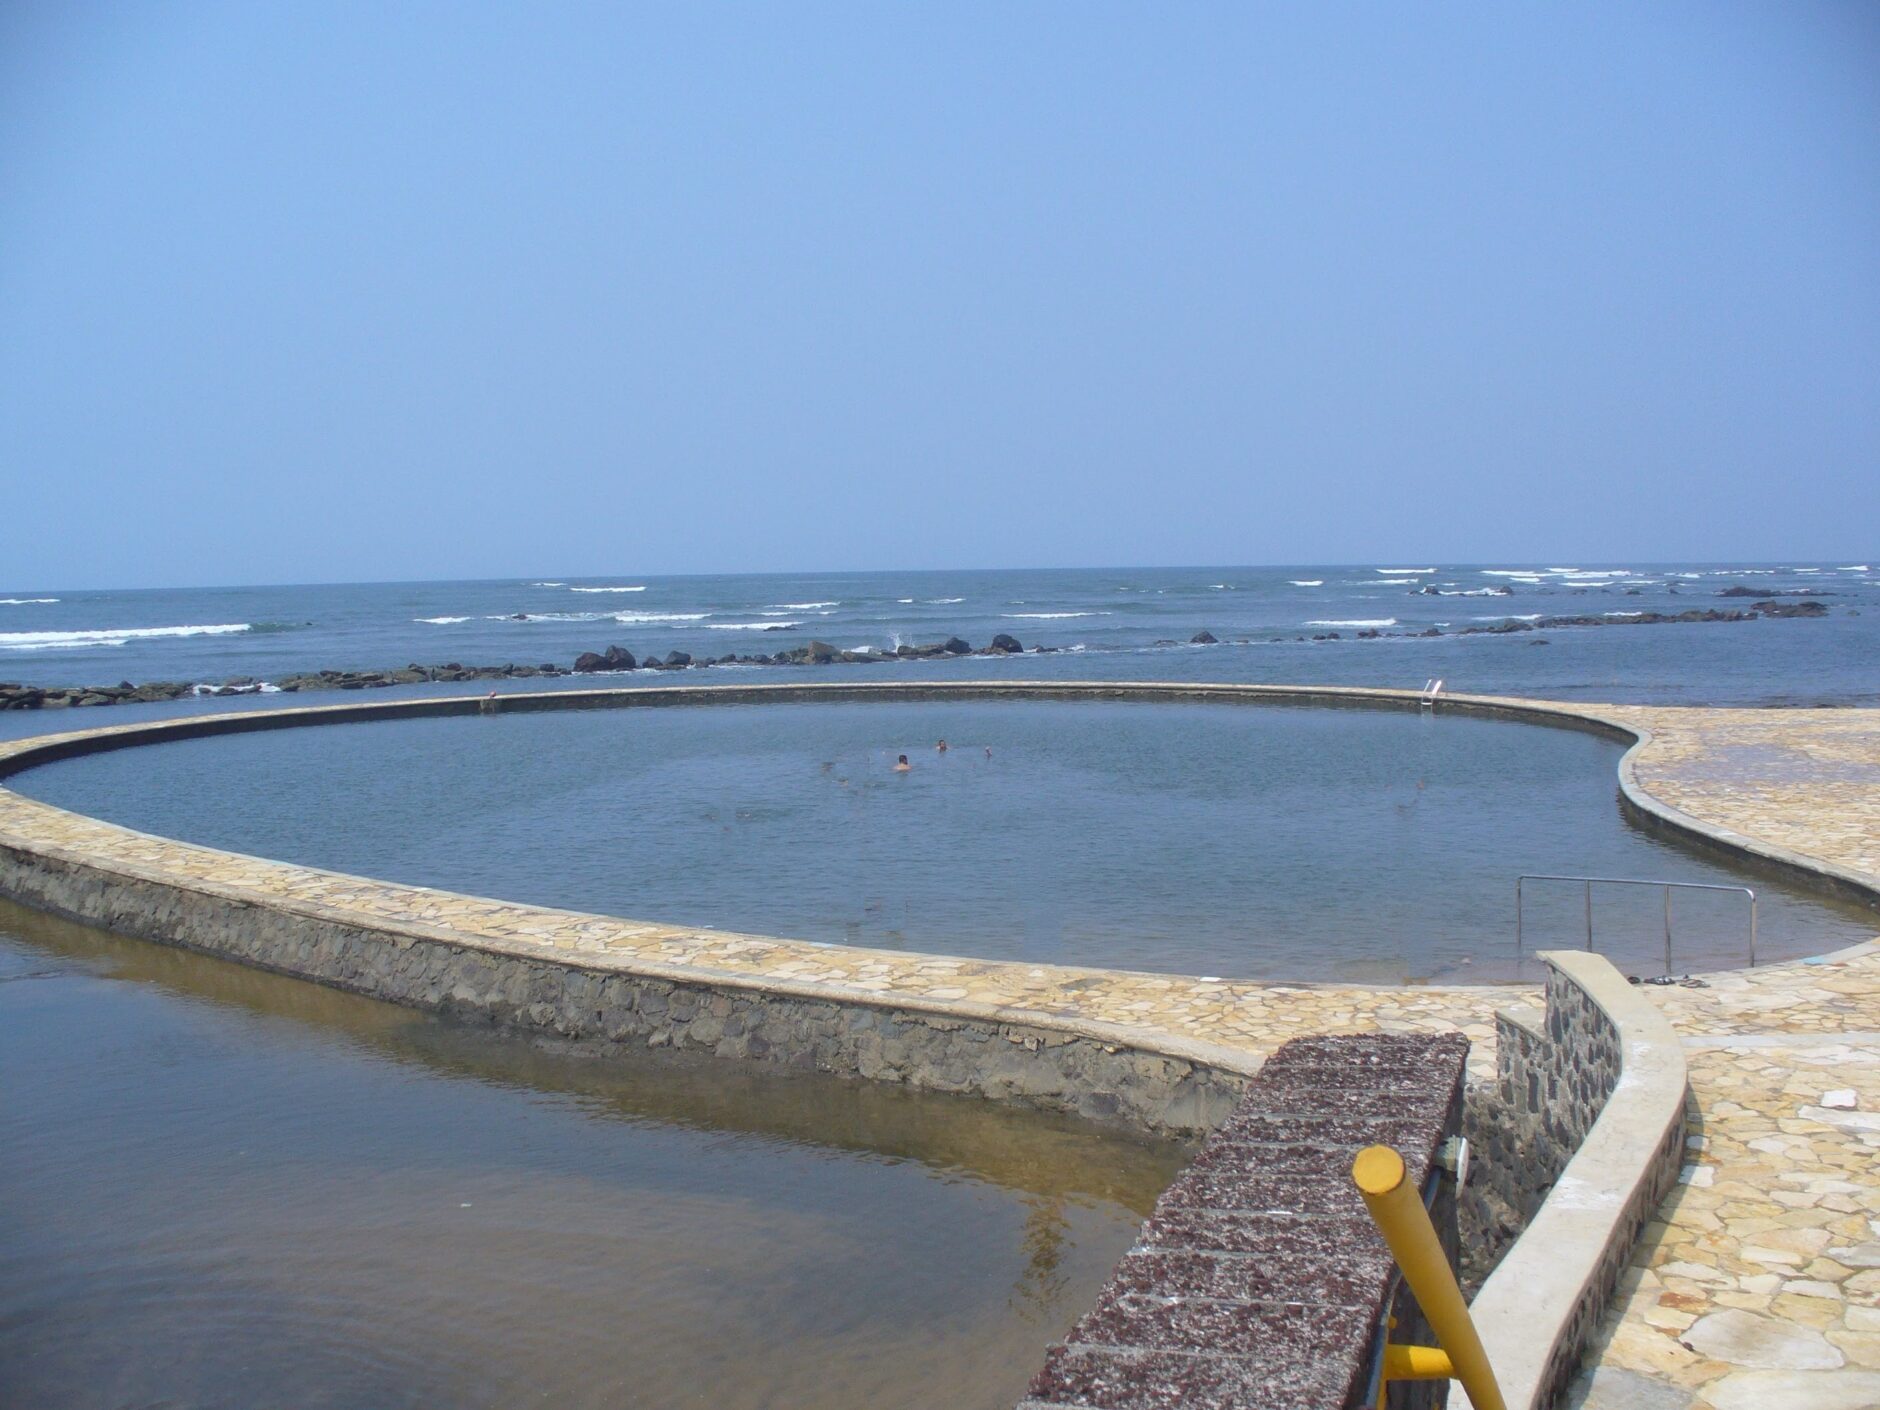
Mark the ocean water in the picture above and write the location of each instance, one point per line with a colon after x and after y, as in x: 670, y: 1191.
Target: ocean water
x: 1246, y: 841
x: 1106, y: 622
x: 222, y: 1188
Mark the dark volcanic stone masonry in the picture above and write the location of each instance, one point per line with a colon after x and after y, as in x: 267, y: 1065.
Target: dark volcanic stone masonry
x: 1259, y: 1280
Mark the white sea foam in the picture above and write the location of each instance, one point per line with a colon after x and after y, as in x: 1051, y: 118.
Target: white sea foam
x: 1051, y: 616
x: 640, y: 588
x: 1509, y: 617
x: 548, y: 585
x: 749, y: 626
x: 78, y: 641
x: 1308, y: 582
x: 626, y: 619
x: 440, y: 621
x: 1468, y: 592
x: 24, y: 601
x: 1397, y: 572
x: 905, y: 601
x: 802, y: 606
x: 1855, y: 568
x: 1524, y: 573
x: 1223, y: 587
x: 1384, y: 582
x: 943, y: 601
x: 1358, y: 622
x: 1622, y: 614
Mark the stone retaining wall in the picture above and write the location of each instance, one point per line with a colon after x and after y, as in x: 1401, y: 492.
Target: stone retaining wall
x: 1554, y: 1070
x: 1048, y: 1068
x: 1580, y: 1137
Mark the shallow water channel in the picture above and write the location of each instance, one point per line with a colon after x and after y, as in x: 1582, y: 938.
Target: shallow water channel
x: 219, y: 1187
x: 1219, y: 839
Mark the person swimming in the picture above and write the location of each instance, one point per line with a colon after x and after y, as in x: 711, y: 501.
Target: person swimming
x: 901, y: 766
x: 941, y: 747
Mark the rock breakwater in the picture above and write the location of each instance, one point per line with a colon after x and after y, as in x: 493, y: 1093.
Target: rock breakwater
x: 615, y: 659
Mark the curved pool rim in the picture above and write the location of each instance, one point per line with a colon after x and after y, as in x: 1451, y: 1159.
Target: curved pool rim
x: 38, y: 841
x: 17, y: 756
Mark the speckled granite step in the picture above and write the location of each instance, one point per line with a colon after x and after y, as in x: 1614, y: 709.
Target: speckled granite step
x: 1259, y: 1280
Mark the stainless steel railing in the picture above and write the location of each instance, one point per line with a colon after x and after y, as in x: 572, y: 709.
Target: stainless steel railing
x: 1589, y: 882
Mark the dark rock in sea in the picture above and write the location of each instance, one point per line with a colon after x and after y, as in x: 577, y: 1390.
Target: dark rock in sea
x: 780, y: 627
x: 1500, y: 628
x: 954, y: 646
x: 1203, y: 638
x: 1538, y: 641
x: 1003, y: 644
x: 678, y: 658
x: 1792, y: 609
x: 1431, y: 631
x: 614, y: 658
x: 1738, y: 590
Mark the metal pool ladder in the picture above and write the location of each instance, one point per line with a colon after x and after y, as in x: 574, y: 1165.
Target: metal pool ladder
x: 1432, y: 688
x: 1589, y: 882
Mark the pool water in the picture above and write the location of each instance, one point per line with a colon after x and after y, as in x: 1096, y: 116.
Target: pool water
x: 223, y: 1188
x: 1231, y: 840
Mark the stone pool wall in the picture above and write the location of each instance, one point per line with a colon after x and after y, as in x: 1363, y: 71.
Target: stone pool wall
x: 1554, y: 1070
x: 1574, y: 1144
x: 1045, y: 1067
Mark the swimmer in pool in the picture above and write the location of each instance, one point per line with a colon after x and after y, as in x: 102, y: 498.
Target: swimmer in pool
x: 901, y: 766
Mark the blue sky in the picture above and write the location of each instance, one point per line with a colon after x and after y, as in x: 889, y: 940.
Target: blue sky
x: 321, y: 291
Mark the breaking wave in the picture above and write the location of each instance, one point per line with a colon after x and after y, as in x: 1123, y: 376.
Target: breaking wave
x: 79, y: 641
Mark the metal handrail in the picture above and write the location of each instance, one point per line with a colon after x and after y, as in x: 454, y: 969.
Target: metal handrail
x: 1589, y: 882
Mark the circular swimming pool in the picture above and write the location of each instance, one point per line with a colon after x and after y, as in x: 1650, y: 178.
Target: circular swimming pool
x: 1203, y: 838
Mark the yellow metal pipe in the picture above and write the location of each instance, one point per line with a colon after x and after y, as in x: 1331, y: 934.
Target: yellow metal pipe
x: 1405, y: 1224
x: 1417, y: 1363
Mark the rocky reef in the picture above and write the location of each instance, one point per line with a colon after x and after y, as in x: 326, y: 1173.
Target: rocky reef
x: 615, y: 659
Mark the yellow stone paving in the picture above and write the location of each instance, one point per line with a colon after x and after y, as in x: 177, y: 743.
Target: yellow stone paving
x: 1759, y: 1286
